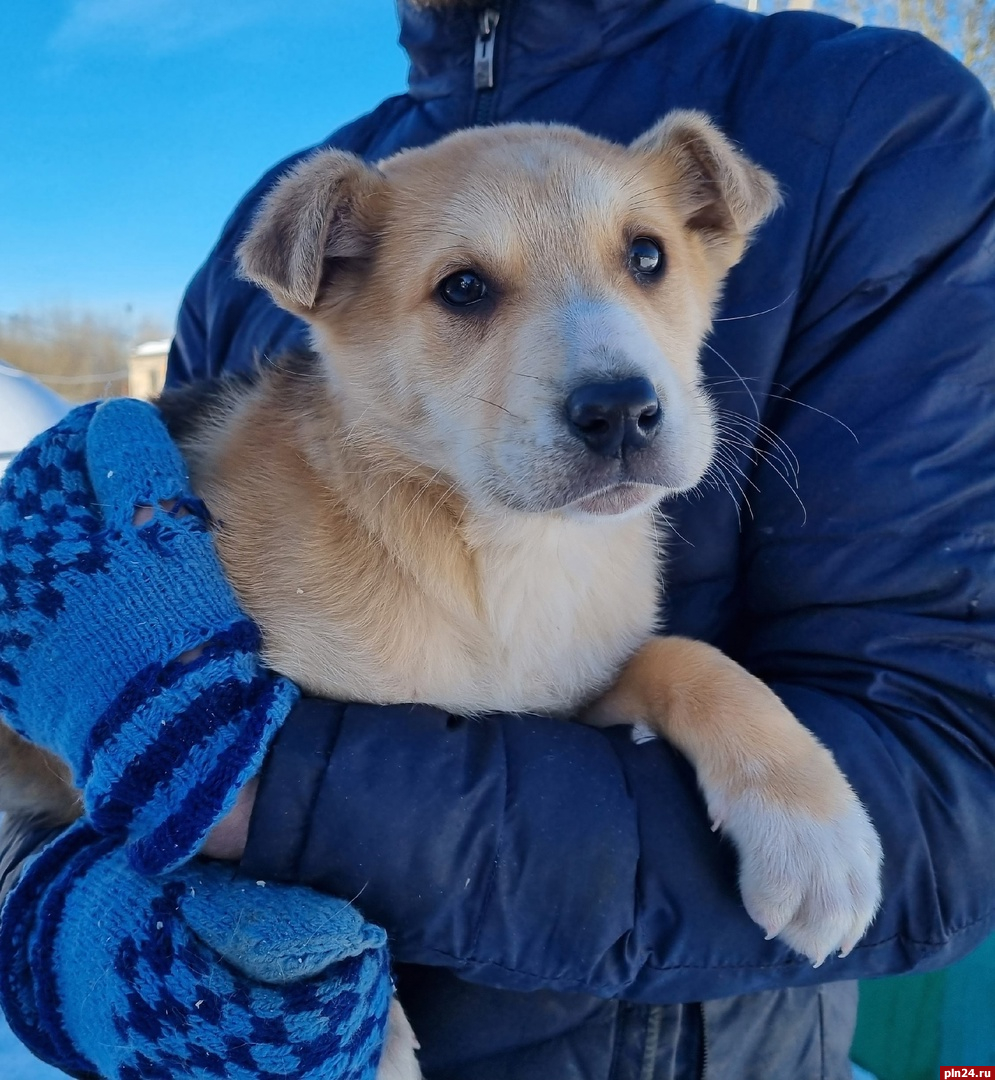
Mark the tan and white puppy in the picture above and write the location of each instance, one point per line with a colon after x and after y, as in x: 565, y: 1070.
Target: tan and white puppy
x: 452, y: 501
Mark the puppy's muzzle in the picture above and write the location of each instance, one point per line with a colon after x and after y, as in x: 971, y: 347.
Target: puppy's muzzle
x: 614, y: 418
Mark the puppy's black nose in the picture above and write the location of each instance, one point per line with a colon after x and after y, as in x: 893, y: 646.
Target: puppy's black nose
x: 610, y: 417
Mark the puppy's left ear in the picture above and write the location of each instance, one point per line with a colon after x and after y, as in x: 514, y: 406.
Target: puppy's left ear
x: 324, y: 210
x: 721, y: 193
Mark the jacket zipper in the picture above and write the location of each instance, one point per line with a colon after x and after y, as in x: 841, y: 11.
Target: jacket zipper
x: 651, y: 1044
x: 483, y: 64
x: 704, y: 1042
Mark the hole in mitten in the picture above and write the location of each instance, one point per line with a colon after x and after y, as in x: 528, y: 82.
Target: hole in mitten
x: 167, y: 673
x: 143, y: 515
x: 189, y: 655
x: 173, y: 507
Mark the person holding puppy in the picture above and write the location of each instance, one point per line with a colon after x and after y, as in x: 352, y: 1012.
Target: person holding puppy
x: 556, y: 902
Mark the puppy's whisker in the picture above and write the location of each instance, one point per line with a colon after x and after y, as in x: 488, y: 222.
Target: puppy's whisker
x: 728, y: 481
x: 487, y: 401
x: 441, y: 500
x: 727, y: 458
x: 666, y: 522
x: 426, y: 486
x: 712, y: 349
x: 730, y: 423
x: 754, y: 454
x: 745, y: 427
x: 780, y: 393
x: 829, y: 416
x: 350, y: 433
x: 779, y: 463
x: 756, y: 314
x: 400, y: 480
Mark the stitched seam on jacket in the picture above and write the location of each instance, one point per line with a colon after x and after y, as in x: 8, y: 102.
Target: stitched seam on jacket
x: 315, y: 796
x: 583, y: 985
x: 499, y: 840
x: 613, y: 1066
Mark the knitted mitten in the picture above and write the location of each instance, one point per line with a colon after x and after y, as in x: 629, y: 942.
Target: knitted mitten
x: 198, y: 973
x: 94, y: 613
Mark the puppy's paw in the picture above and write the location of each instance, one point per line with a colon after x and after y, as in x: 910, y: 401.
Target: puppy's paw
x: 813, y: 882
x: 398, y: 1061
x: 36, y: 782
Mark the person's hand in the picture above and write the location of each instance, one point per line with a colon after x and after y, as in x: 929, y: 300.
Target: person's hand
x: 122, y: 647
x: 197, y: 973
x: 228, y: 838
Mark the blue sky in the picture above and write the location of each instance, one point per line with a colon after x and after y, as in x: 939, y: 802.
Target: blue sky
x: 129, y: 128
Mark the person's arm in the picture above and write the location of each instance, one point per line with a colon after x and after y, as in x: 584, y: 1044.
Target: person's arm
x: 108, y: 972
x: 530, y: 853
x: 105, y: 552
x: 872, y: 613
x: 97, y: 558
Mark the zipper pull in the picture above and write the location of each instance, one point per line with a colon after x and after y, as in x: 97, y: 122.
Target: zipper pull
x: 483, y: 50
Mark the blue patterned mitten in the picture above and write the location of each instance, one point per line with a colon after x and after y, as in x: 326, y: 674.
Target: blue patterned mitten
x: 198, y: 973
x: 94, y: 613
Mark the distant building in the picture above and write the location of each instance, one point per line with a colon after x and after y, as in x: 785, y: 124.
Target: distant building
x: 147, y: 369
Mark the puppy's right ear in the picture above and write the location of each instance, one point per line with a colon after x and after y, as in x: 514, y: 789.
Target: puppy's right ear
x: 323, y: 209
x: 723, y: 195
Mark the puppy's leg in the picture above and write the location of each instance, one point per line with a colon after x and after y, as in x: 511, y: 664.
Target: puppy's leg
x: 809, y: 856
x: 399, y: 1061
x: 33, y: 781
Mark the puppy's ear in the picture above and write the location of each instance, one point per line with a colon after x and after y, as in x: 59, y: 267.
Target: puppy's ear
x: 322, y: 210
x: 721, y: 193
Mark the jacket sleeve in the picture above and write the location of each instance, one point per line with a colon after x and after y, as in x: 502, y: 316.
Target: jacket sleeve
x: 529, y: 853
x: 870, y: 607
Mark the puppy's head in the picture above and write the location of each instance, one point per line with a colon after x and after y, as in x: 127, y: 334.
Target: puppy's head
x: 521, y: 307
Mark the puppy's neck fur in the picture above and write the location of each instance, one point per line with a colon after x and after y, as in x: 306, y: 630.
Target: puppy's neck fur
x: 394, y: 588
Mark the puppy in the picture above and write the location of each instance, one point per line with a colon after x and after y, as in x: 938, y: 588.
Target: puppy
x: 451, y: 500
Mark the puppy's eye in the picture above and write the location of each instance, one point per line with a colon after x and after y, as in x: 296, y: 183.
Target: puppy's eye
x: 462, y: 289
x: 646, y: 258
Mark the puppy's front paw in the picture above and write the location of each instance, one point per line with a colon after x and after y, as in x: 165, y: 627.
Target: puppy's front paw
x: 398, y: 1061
x: 813, y: 882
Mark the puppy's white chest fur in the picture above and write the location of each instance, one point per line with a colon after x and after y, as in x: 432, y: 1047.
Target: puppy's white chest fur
x: 554, y: 609
x: 563, y: 604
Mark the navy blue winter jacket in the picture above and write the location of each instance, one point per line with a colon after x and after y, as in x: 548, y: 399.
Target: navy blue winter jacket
x: 555, y: 899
